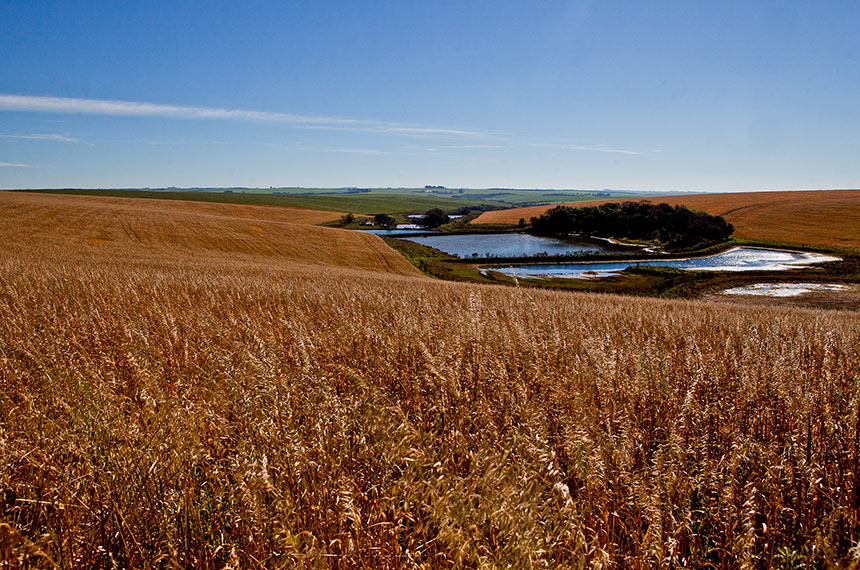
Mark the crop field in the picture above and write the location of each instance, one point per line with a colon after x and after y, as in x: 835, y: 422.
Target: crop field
x: 372, y: 201
x: 828, y: 218
x: 180, y: 390
x: 106, y: 228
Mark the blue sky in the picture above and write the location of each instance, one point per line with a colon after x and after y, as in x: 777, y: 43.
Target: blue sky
x: 711, y: 96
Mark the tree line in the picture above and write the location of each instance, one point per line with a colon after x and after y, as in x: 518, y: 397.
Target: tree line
x: 673, y: 226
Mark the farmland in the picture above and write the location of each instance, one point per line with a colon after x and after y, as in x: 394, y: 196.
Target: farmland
x: 827, y: 218
x: 366, y: 201
x: 126, y: 228
x: 220, y: 385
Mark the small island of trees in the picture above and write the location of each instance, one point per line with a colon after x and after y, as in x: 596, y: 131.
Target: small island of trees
x: 434, y: 218
x: 675, y: 227
x: 385, y: 221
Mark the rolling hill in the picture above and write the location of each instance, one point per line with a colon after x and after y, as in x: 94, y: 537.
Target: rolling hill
x: 131, y: 228
x: 828, y: 218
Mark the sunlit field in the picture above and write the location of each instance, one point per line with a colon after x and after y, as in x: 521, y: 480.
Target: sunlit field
x: 182, y: 390
x: 173, y: 232
x: 828, y: 218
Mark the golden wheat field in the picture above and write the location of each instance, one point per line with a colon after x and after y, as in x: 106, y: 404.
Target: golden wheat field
x: 829, y: 218
x: 185, y: 392
x: 161, y: 231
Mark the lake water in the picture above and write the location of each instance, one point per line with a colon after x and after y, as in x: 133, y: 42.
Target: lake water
x: 505, y: 245
x: 737, y: 259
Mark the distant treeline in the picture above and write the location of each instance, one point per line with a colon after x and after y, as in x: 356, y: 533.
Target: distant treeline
x: 674, y: 226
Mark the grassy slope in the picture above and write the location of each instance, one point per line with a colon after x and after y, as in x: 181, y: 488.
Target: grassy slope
x: 827, y: 218
x: 96, y: 227
x: 202, y: 398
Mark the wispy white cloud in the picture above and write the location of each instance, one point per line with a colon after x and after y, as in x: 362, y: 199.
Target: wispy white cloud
x: 562, y: 146
x: 43, y: 137
x: 521, y: 143
x: 399, y: 151
x: 487, y: 140
x: 603, y: 148
x: 66, y: 105
x: 14, y: 165
x: 480, y: 146
x: 382, y: 128
x: 370, y: 151
x: 432, y: 131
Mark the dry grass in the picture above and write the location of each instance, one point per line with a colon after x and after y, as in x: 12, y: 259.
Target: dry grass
x: 89, y: 227
x: 174, y: 207
x: 254, y: 412
x: 827, y: 218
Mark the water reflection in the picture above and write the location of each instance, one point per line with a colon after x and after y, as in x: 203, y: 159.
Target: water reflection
x: 506, y: 245
x: 737, y: 259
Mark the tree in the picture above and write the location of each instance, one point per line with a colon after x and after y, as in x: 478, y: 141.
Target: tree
x: 384, y: 220
x: 434, y: 218
x: 346, y: 219
x: 675, y: 226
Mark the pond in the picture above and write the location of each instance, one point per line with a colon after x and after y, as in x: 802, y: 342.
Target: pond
x: 736, y: 259
x: 507, y: 245
x: 784, y: 289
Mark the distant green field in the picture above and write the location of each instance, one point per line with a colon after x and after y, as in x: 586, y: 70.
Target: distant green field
x: 374, y: 201
x: 368, y: 203
x: 517, y: 197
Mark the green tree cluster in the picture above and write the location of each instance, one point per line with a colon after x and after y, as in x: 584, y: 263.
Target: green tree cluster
x: 434, y: 218
x: 384, y: 220
x: 675, y: 227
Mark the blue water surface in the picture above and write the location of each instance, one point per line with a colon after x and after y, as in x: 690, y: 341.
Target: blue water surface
x: 737, y: 259
x: 504, y: 245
